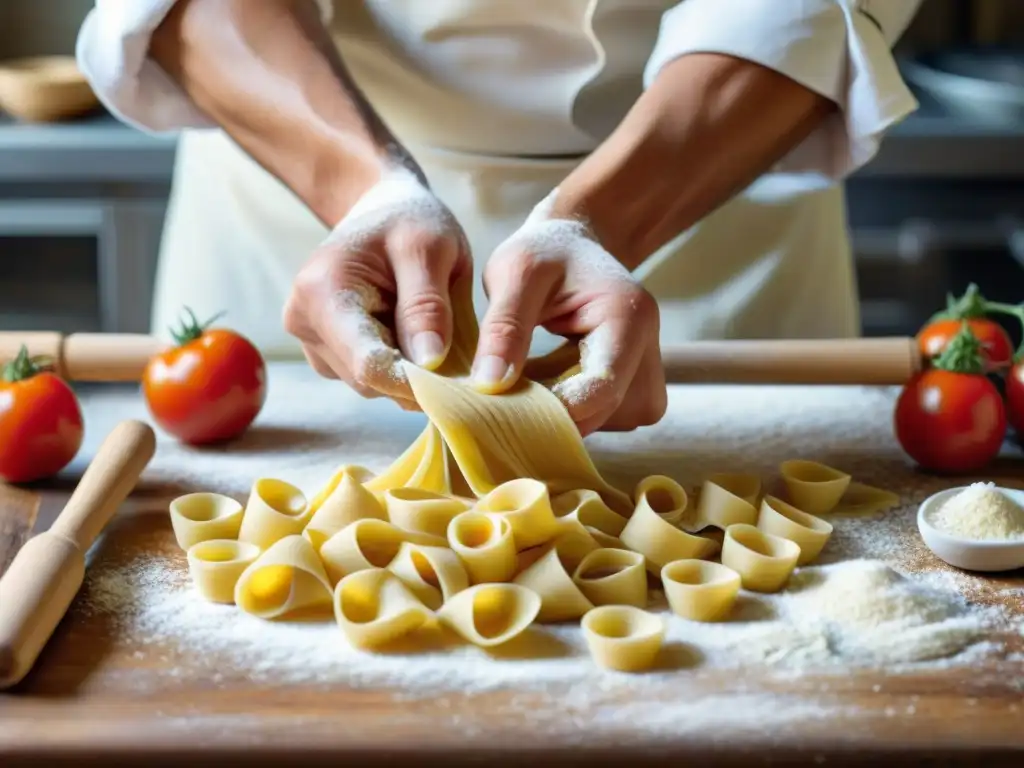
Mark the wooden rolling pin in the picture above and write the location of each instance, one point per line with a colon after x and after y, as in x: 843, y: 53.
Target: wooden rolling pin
x: 878, y: 361
x: 86, y: 356
x: 47, y: 573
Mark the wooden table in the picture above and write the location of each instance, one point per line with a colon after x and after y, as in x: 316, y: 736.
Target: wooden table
x: 93, y: 699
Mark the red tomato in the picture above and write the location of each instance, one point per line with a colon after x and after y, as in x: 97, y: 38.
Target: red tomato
x: 209, y: 388
x: 1015, y: 397
x: 950, y: 422
x: 996, y: 347
x: 40, y: 422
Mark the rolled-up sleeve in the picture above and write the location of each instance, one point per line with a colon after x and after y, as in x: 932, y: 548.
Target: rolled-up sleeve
x: 841, y: 49
x: 113, y: 54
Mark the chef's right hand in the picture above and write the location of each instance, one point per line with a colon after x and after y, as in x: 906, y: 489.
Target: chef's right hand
x: 381, y: 277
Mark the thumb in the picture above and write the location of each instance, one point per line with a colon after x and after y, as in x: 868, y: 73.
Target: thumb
x: 423, y: 312
x: 517, y: 304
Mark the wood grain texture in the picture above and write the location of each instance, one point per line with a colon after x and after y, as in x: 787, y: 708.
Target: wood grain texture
x: 18, y: 510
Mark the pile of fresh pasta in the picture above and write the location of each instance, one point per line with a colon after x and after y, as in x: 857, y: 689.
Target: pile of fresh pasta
x: 394, y: 561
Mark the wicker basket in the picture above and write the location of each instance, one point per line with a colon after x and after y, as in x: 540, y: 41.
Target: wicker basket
x: 44, y: 89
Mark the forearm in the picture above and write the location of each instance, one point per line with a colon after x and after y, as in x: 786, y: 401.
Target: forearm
x: 267, y: 72
x: 707, y: 127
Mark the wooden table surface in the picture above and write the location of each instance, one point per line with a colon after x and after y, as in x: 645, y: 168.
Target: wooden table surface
x: 95, y: 699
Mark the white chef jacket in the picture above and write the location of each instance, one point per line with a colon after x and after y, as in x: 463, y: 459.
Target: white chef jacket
x: 499, y: 100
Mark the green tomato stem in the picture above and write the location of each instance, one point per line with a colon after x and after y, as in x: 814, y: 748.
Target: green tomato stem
x: 191, y: 329
x: 24, y: 366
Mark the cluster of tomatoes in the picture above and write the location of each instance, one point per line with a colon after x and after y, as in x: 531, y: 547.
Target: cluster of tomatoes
x: 207, y: 388
x: 952, y: 417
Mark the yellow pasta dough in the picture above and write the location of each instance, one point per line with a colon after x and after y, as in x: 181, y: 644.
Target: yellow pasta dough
x: 574, y: 541
x: 719, y: 506
x: 743, y: 484
x: 413, y: 509
x: 348, y: 502
x: 215, y: 566
x: 198, y: 517
x: 613, y: 577
x: 764, y: 562
x: 589, y: 509
x: 527, y: 507
x: 288, y: 577
x: 490, y: 614
x: 808, y: 532
x: 700, y: 590
x: 659, y: 541
x: 662, y: 495
x: 560, y: 598
x: 861, y: 499
x: 366, y: 544
x: 275, y: 509
x: 604, y: 540
x: 813, y: 487
x: 433, y: 574
x: 373, y: 607
x: 485, y: 546
x: 623, y: 638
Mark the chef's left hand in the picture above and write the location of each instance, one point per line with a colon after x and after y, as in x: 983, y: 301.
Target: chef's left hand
x: 553, y: 273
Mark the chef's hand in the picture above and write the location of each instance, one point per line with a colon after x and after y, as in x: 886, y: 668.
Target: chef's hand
x: 553, y: 273
x: 381, y: 277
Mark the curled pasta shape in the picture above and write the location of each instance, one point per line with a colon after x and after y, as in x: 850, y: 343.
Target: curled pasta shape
x: 527, y: 507
x: 216, y: 565
x: 721, y: 507
x: 413, y: 509
x: 623, y: 638
x: 573, y: 541
x: 764, y: 562
x: 746, y: 485
x: 663, y: 496
x: 373, y: 608
x: 433, y: 574
x: 604, y: 541
x: 424, y: 465
x: 589, y: 509
x: 485, y: 546
x: 861, y: 499
x: 613, y: 577
x: 198, y: 517
x: 348, y: 502
x: 780, y: 519
x: 286, y: 578
x: 488, y: 615
x: 560, y: 598
x: 700, y: 590
x: 360, y: 474
x: 812, y: 487
x: 366, y: 544
x: 660, y: 542
x: 275, y: 510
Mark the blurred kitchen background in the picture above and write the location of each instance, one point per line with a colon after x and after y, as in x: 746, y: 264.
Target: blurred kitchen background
x: 82, y: 201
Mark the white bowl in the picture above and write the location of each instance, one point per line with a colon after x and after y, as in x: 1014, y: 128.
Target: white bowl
x: 970, y: 554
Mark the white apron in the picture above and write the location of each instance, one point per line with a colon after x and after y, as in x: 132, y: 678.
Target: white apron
x: 773, y: 262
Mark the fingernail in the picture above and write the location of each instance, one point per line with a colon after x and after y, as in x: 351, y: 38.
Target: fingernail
x: 427, y: 348
x: 490, y: 371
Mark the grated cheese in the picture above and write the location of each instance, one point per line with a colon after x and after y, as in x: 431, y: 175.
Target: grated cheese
x: 978, y: 512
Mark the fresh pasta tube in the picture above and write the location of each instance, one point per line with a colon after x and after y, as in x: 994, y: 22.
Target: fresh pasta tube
x: 433, y: 574
x: 373, y: 608
x: 560, y: 598
x: 198, y: 517
x: 700, y: 590
x: 721, y: 507
x: 746, y: 485
x: 215, y: 566
x: 812, y: 487
x: 861, y: 499
x: 623, y: 638
x: 527, y: 507
x: 660, y: 542
x: 361, y: 474
x: 286, y: 578
x: 348, y: 502
x: 412, y: 509
x: 574, y: 541
x: 366, y: 544
x: 424, y: 465
x: 488, y: 615
x: 604, y: 541
x: 663, y: 496
x: 780, y: 519
x: 589, y: 509
x: 276, y: 509
x: 764, y: 562
x: 485, y: 546
x: 613, y: 577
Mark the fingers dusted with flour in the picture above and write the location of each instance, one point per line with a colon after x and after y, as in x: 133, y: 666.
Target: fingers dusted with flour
x: 553, y: 273
x: 378, y: 289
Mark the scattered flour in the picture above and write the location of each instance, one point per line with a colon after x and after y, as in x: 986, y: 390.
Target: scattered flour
x: 980, y: 511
